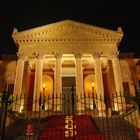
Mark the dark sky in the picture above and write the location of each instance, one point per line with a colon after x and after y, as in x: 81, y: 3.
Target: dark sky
x: 104, y: 13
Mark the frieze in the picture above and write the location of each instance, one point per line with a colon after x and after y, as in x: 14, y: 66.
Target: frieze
x: 48, y: 49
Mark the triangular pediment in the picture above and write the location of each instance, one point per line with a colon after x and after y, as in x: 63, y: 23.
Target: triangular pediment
x: 66, y: 29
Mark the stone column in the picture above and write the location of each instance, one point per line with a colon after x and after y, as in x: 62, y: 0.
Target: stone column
x: 119, y: 102
x: 25, y: 87
x: 79, y: 79
x: 38, y: 80
x: 19, y: 74
x: 117, y: 72
x: 99, y: 81
x: 19, y: 105
x: 98, y: 74
x: 58, y: 79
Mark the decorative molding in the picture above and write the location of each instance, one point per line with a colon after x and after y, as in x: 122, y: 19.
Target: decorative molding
x: 39, y: 55
x: 57, y: 55
x: 115, y: 54
x: 67, y: 31
x: 24, y: 40
x: 69, y: 25
x: 21, y: 55
x: 68, y: 48
x: 78, y: 55
x: 96, y: 54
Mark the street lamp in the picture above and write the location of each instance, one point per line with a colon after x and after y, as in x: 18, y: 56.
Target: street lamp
x: 44, y: 86
x: 93, y: 85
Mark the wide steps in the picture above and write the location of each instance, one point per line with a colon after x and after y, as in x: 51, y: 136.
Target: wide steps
x: 56, y: 129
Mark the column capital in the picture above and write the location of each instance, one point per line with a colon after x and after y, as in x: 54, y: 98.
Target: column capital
x: 114, y: 54
x: 96, y: 54
x: 58, y: 55
x: 39, y: 55
x: 78, y: 55
x: 21, y: 56
x: 27, y: 64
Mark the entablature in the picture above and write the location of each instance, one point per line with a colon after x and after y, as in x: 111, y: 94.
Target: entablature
x: 83, y: 48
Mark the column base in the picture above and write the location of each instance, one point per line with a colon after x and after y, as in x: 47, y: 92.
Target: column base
x: 120, y: 105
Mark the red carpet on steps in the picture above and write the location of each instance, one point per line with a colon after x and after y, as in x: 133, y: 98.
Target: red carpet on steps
x: 58, y: 126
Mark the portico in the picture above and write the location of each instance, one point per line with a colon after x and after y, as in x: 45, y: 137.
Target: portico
x: 67, y: 49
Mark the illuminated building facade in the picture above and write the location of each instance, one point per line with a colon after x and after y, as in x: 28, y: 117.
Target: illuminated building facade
x: 55, y: 57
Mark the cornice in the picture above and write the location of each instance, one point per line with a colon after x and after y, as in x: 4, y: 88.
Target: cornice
x: 24, y: 40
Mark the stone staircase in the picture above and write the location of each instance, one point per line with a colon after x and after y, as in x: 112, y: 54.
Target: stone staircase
x: 61, y: 127
x: 116, y: 128
x: 112, y: 128
x: 17, y: 129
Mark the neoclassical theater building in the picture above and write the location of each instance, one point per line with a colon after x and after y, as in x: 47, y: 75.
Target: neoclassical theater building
x: 53, y: 58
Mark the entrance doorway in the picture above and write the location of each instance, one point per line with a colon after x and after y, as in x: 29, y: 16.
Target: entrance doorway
x: 67, y: 83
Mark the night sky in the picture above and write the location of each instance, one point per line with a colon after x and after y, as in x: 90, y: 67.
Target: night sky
x: 103, y: 13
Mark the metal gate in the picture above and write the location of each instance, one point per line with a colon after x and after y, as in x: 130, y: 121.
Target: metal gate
x: 115, y: 118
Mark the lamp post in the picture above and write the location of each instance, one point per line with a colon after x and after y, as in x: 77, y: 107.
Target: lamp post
x: 93, y: 85
x: 43, y: 105
x: 44, y: 86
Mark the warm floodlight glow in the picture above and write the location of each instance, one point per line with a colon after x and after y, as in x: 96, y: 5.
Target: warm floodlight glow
x: 44, y: 85
x: 21, y: 109
x: 116, y: 107
x: 92, y: 84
